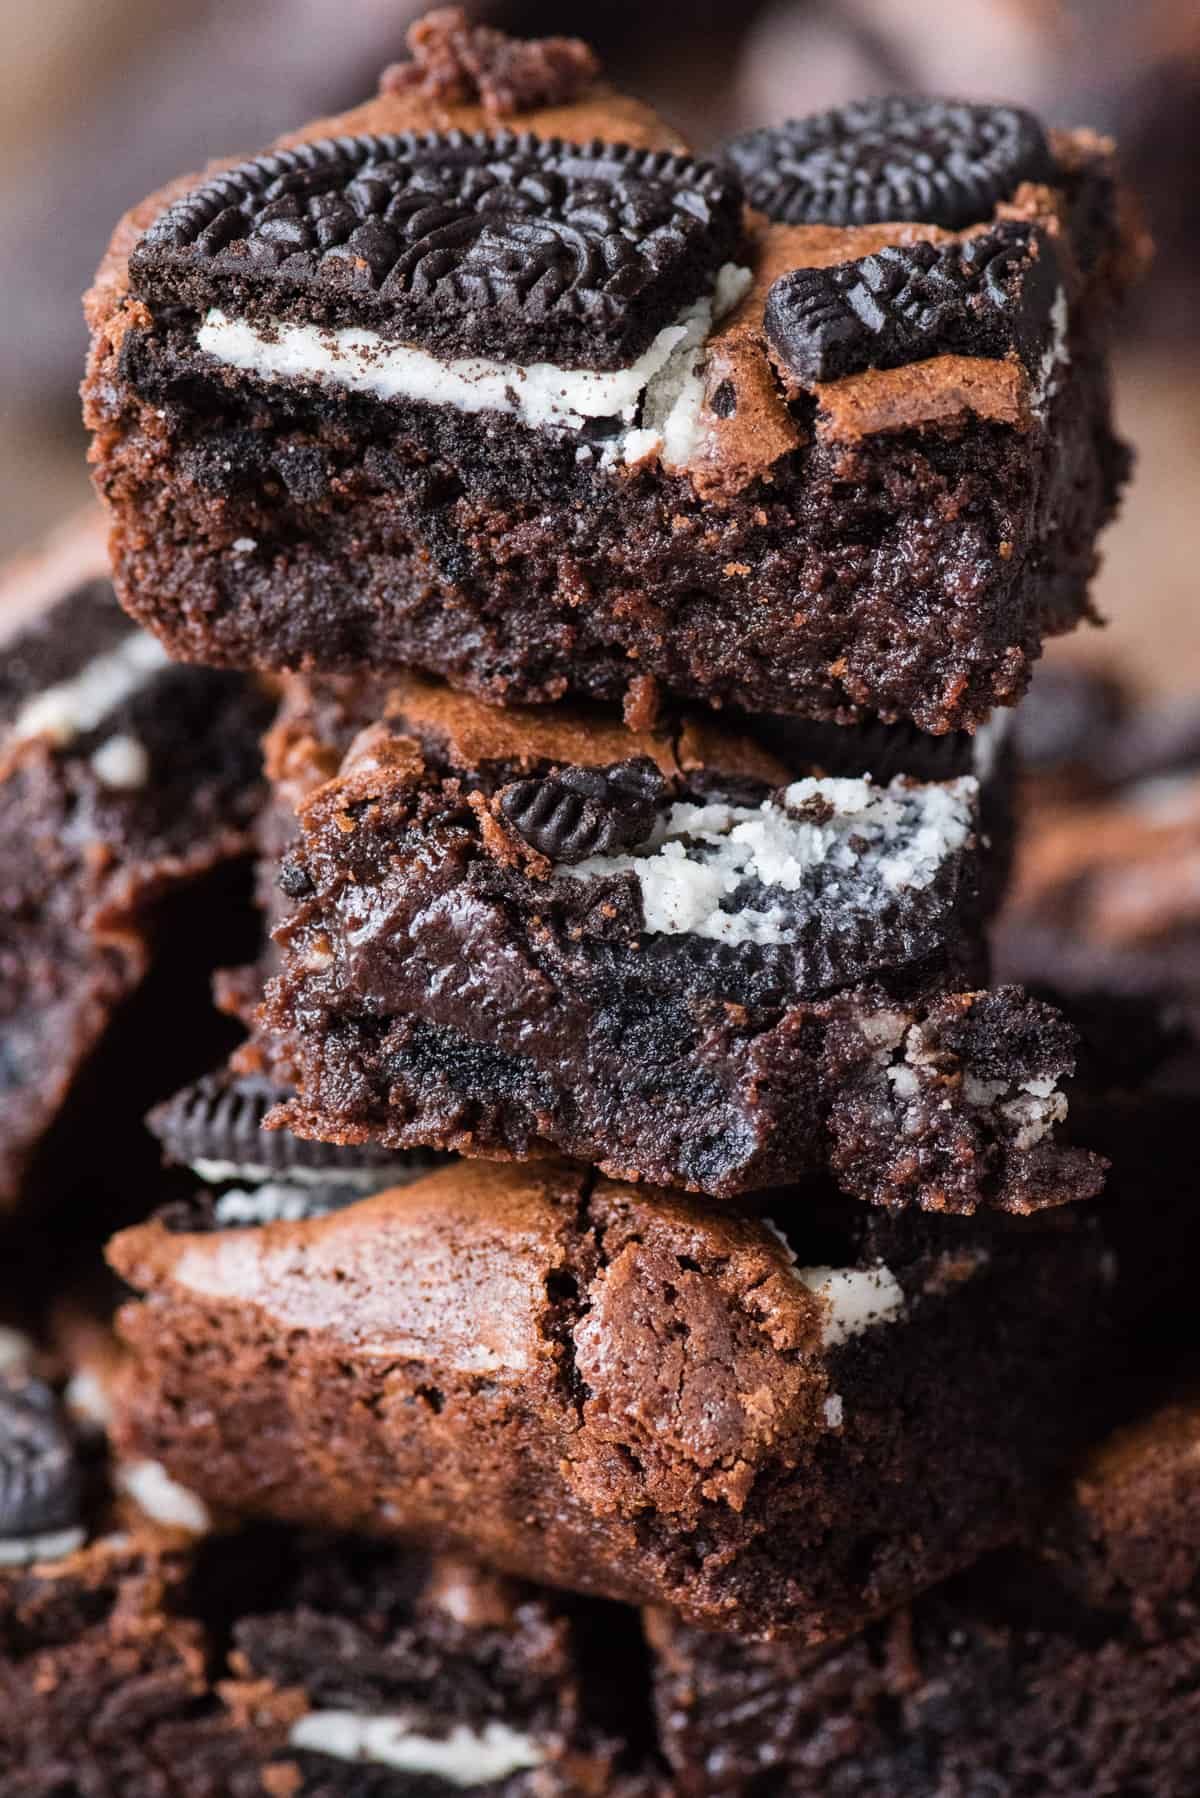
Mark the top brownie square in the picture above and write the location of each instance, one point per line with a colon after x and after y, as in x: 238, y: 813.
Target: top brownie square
x: 821, y: 430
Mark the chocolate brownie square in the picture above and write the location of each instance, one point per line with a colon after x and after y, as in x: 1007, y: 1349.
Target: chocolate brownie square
x: 671, y: 952
x: 1069, y: 1668
x: 143, y: 1655
x: 1106, y: 901
x: 401, y: 1675
x: 125, y: 785
x: 782, y: 1426
x: 546, y: 406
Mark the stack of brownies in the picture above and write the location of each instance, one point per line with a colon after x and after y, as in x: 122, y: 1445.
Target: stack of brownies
x: 634, y: 1254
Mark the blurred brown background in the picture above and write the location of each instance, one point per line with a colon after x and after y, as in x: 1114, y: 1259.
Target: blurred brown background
x: 101, y: 100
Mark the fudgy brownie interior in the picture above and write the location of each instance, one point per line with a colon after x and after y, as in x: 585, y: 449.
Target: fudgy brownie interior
x: 660, y: 951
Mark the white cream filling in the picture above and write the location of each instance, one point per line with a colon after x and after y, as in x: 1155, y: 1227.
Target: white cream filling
x: 879, y: 841
x: 835, y: 1411
x: 463, y: 1757
x: 87, y: 1399
x: 121, y: 762
x: 1034, y: 1108
x: 16, y: 1350
x: 859, y: 1299
x: 363, y: 1180
x: 539, y: 394
x: 153, y: 1491
x: 1056, y: 355
x: 54, y: 1545
x: 73, y: 707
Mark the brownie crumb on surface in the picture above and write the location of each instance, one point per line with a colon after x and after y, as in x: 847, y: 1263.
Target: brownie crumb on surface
x: 458, y: 61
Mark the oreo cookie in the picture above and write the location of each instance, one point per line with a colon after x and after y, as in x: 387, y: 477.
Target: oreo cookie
x: 216, y: 1128
x: 512, y: 247
x: 579, y: 812
x: 943, y: 162
x: 988, y: 295
x: 40, y: 1486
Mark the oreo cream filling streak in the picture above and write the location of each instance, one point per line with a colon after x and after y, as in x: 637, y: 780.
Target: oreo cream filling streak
x: 462, y: 1757
x: 653, y: 404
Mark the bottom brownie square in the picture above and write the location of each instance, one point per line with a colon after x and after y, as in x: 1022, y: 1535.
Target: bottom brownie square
x: 780, y: 1425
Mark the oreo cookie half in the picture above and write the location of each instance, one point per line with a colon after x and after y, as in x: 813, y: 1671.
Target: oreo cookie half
x: 40, y: 1487
x: 943, y: 162
x: 508, y: 246
x: 215, y: 1127
x: 986, y: 295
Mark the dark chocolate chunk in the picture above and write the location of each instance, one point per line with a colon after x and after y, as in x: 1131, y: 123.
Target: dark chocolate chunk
x: 983, y: 296
x: 940, y: 161
x: 578, y: 812
x: 219, y: 1120
x: 39, y: 1477
x: 507, y: 246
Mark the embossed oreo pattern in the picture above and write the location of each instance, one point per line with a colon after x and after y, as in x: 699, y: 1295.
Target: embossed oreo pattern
x: 984, y: 296
x: 39, y: 1477
x: 220, y: 1120
x: 579, y: 812
x: 943, y: 162
x: 507, y: 246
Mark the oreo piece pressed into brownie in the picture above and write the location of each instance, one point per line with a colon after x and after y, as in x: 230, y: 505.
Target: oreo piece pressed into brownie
x: 399, y: 1675
x: 125, y: 784
x: 541, y: 407
x: 1071, y: 1667
x: 666, y: 952
x: 643, y: 1396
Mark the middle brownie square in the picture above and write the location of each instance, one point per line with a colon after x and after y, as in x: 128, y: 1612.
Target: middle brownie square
x: 678, y: 953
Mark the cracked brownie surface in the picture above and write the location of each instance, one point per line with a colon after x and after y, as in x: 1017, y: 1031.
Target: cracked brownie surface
x: 648, y: 1396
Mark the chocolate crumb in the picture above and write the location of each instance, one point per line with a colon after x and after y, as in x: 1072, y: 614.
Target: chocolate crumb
x: 459, y: 63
